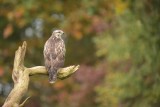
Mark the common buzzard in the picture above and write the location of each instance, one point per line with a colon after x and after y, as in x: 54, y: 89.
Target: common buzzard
x: 54, y: 54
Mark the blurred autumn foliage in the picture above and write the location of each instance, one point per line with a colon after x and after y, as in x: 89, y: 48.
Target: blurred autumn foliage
x: 116, y: 42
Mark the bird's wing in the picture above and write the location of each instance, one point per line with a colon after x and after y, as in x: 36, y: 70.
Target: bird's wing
x: 49, y: 50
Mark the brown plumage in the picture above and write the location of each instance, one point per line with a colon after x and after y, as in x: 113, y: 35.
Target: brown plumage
x: 54, y: 54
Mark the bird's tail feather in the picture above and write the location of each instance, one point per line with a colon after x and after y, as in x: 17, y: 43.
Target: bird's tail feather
x: 52, y: 75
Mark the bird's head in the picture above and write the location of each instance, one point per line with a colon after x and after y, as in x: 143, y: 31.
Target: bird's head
x: 58, y: 34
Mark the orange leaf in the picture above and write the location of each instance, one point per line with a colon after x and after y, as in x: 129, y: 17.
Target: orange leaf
x: 1, y: 71
x: 59, y: 85
x: 8, y: 31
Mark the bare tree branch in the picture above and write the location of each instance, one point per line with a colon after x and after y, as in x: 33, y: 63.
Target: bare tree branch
x: 20, y: 76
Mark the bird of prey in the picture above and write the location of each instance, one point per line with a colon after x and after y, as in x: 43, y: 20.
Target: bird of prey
x: 54, y: 54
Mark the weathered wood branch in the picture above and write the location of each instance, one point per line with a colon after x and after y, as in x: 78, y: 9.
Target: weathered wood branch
x: 20, y: 76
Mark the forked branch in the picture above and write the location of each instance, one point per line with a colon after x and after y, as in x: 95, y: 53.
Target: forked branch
x: 20, y: 76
